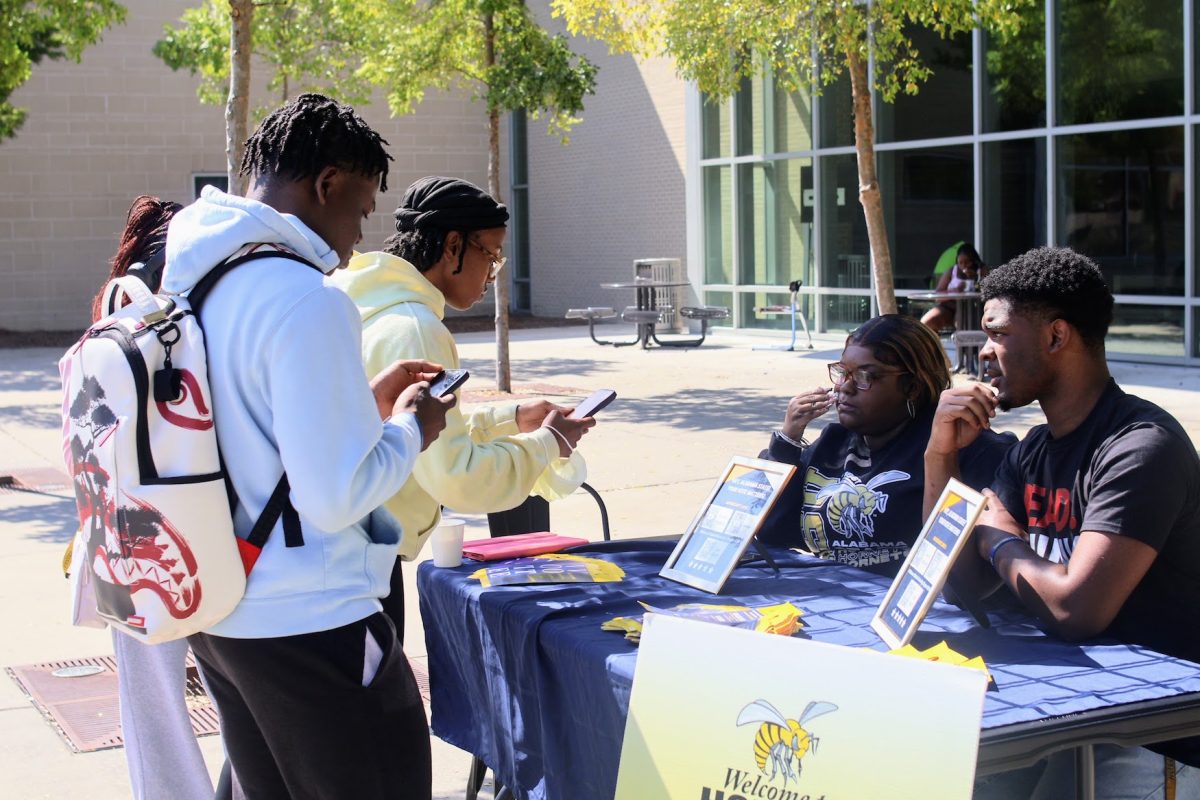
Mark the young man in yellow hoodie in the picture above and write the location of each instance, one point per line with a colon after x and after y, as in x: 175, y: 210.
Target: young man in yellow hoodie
x: 447, y: 250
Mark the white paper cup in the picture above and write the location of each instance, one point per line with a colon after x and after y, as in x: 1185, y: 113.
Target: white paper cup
x: 447, y: 542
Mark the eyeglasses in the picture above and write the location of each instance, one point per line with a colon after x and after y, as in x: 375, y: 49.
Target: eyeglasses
x: 863, y: 377
x: 498, y: 258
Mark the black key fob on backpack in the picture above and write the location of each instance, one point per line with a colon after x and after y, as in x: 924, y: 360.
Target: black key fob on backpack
x: 168, y: 385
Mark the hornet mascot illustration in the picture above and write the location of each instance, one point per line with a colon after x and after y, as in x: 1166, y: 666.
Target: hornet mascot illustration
x: 781, y: 740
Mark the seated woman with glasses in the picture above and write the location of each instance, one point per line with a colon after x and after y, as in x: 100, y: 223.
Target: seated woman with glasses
x: 447, y: 250
x: 857, y: 493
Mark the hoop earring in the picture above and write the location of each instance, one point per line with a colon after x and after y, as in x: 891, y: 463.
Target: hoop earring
x: 912, y: 412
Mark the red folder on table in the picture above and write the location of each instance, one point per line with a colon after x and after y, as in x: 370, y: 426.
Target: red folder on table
x: 524, y: 544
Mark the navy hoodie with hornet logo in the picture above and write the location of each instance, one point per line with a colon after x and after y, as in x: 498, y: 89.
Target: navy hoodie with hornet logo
x: 864, y: 508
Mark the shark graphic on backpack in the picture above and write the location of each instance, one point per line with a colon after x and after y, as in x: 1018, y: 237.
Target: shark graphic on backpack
x: 155, y: 554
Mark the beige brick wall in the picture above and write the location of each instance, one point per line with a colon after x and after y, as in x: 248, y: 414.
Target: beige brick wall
x: 122, y: 124
x: 615, y: 192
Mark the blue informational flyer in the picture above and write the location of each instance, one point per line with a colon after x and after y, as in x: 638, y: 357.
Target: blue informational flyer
x: 925, y: 570
x: 728, y: 520
x: 536, y: 570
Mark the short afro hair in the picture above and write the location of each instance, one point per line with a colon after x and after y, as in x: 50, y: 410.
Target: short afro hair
x: 1051, y: 283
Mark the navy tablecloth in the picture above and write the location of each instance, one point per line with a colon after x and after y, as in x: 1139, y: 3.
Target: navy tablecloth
x: 524, y: 677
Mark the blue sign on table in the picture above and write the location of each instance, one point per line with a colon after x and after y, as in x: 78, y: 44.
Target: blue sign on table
x: 732, y: 513
x: 925, y: 570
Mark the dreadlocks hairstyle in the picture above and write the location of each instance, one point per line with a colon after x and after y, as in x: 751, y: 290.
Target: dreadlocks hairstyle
x: 1049, y: 283
x: 421, y: 247
x: 906, y: 343
x: 144, y: 238
x: 312, y: 132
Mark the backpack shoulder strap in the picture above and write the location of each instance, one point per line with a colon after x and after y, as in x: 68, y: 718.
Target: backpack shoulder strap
x: 199, y: 292
x: 279, y: 503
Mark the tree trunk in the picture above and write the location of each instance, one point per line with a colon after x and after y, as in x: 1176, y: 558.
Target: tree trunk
x: 237, y: 108
x: 868, y: 185
x: 503, y: 372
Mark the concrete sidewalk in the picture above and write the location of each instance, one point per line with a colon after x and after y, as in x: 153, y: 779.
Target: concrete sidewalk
x: 680, y: 415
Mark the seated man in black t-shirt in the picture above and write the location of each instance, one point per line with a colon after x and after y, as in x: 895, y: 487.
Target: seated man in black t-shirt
x: 1094, y: 523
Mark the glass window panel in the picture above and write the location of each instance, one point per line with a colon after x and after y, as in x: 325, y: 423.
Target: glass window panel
x: 1146, y: 330
x: 750, y: 116
x: 928, y: 202
x: 718, y: 224
x: 517, y: 245
x: 845, y: 248
x: 714, y: 128
x: 1120, y: 201
x: 520, y: 159
x: 774, y: 235
x: 942, y: 106
x: 792, y: 125
x: 723, y: 299
x: 753, y: 318
x: 846, y: 313
x: 1014, y: 198
x: 1014, y: 78
x: 1119, y: 60
x: 522, y: 297
x: 837, y: 113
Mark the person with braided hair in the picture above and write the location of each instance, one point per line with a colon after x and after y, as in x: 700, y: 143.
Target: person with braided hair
x: 161, y: 751
x: 447, y: 250
x: 315, y: 695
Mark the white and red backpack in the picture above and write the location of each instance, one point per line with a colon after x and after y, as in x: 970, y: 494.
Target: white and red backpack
x: 155, y: 554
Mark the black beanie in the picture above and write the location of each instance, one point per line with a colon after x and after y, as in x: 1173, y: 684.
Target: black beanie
x: 448, y: 204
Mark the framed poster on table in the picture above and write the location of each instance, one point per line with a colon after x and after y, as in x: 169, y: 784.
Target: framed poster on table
x: 727, y: 521
x: 927, y: 567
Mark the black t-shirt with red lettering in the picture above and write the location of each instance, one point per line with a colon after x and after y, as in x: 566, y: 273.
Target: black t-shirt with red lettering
x: 1129, y: 470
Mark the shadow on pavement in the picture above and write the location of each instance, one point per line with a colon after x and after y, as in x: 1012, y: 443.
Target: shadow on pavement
x: 48, y: 518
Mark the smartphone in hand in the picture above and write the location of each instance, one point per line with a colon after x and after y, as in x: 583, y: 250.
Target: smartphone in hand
x: 593, y: 403
x: 447, y: 381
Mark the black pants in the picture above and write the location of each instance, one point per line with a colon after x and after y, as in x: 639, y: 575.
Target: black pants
x: 393, y: 604
x: 298, y: 723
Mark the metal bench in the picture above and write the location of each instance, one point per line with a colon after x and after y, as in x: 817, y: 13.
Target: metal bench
x: 591, y: 314
x: 793, y: 311
x: 702, y: 313
x: 967, y: 345
x: 645, y: 319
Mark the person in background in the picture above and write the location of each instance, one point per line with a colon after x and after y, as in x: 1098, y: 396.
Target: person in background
x: 161, y: 751
x: 857, y: 493
x: 447, y: 249
x: 963, y: 276
x: 1093, y: 519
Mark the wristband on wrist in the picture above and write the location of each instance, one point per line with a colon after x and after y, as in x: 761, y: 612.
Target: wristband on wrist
x: 801, y: 444
x: 996, y: 548
x: 557, y: 433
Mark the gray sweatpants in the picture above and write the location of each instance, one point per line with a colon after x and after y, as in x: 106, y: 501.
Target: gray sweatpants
x: 162, y: 753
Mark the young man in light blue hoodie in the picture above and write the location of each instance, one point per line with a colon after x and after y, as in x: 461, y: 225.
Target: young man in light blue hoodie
x: 315, y: 696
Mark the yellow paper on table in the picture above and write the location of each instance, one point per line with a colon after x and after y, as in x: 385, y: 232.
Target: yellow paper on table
x: 782, y: 618
x: 943, y: 653
x: 549, y: 568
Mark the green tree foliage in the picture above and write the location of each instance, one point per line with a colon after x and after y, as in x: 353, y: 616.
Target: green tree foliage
x: 419, y: 46
x: 31, y: 30
x: 496, y: 49
x: 309, y: 42
x: 805, y: 45
x: 344, y: 48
